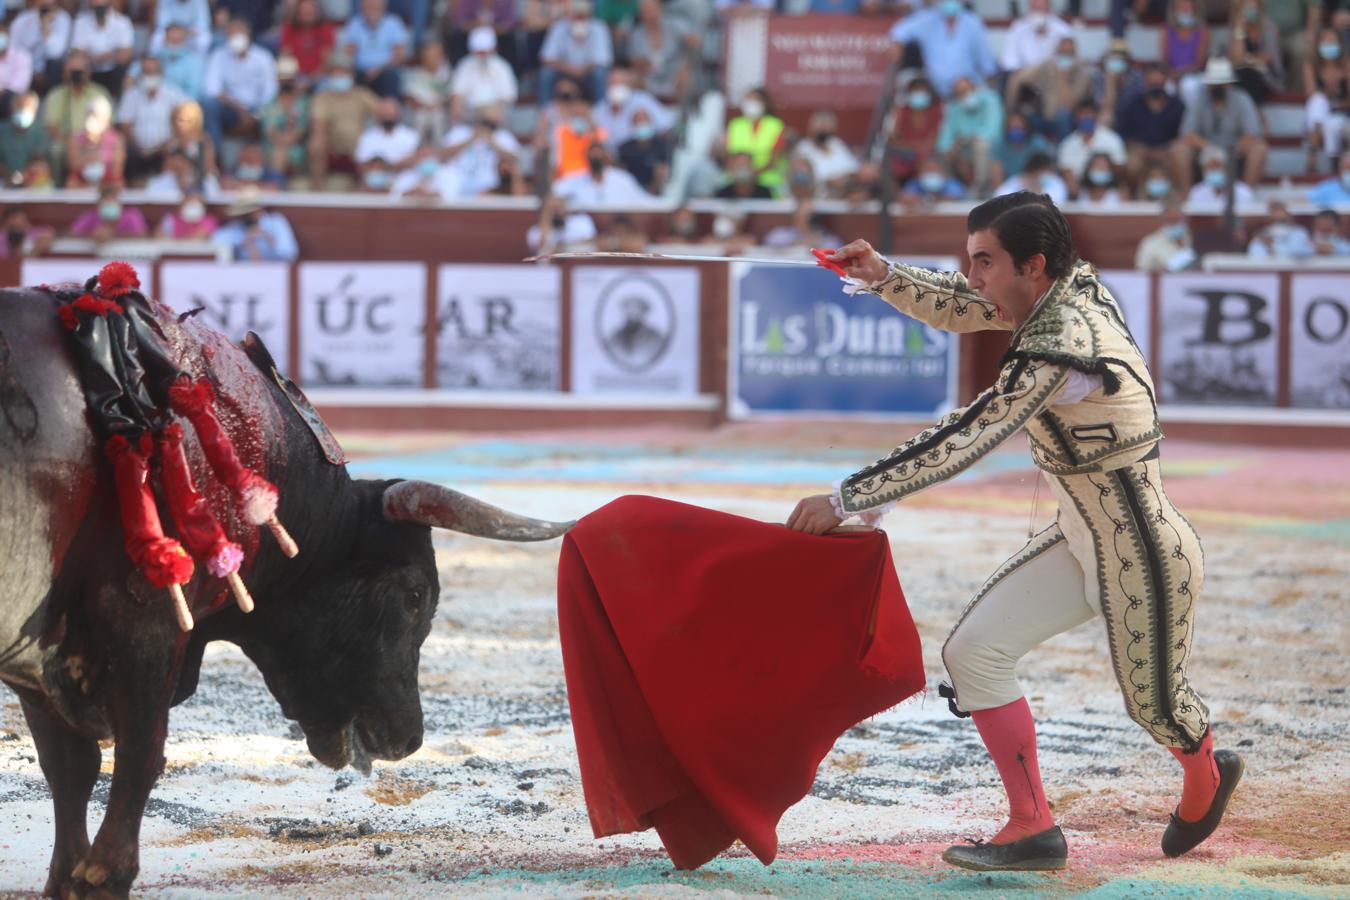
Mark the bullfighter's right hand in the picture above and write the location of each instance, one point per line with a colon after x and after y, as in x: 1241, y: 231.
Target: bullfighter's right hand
x: 860, y: 261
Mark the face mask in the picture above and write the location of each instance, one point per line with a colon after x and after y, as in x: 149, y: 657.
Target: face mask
x: 684, y: 227
x: 377, y: 179
x: 723, y: 227
x: 193, y: 211
x: 427, y: 167
x: 823, y: 136
x: 1045, y: 183
x: 970, y: 101
x: 100, y: 13
x: 1039, y: 20
x: 579, y: 31
x: 1156, y: 93
x: 1116, y: 65
x: 1251, y: 14
x: 920, y: 100
x: 238, y: 44
x: 4, y: 42
x: 932, y: 182
x: 1100, y: 177
x: 110, y: 210
x: 951, y: 8
x: 1064, y: 61
x: 1215, y: 178
x: 1329, y: 51
x: 79, y: 76
x: 644, y: 131
x: 799, y: 179
x: 1017, y: 135
x: 15, y: 236
x: 152, y: 83
x: 341, y: 82
x: 1175, y: 232
x: 248, y: 172
x: 93, y: 172
x: 1157, y: 187
x: 1345, y: 179
x: 389, y: 124
x: 1087, y: 126
x: 1186, y: 20
x: 597, y: 164
x: 1217, y: 93
x: 753, y: 108
x: 743, y: 176
x: 25, y: 118
x: 618, y: 94
x: 579, y: 124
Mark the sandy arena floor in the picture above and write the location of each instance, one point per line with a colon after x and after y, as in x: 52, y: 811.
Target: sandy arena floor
x: 492, y: 806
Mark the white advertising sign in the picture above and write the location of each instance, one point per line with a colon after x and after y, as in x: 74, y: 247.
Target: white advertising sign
x: 635, y: 330
x: 1219, y: 339
x: 362, y: 324
x: 55, y: 271
x: 499, y: 328
x: 1319, y: 342
x: 1133, y: 290
x: 234, y: 299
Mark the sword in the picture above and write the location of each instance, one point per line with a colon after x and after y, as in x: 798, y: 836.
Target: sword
x: 672, y: 257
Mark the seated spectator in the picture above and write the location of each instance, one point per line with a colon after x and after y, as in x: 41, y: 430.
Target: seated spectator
x: 1119, y: 82
x: 863, y: 185
x: 621, y: 236
x: 559, y: 228
x: 426, y: 177
x: 1019, y: 144
x: 378, y: 42
x: 1297, y: 22
x: 22, y: 139
x: 568, y: 130
x: 241, y: 78
x: 474, y: 153
x: 1281, y: 237
x: 285, y: 123
x: 1033, y: 38
x: 1327, y: 237
x: 662, y: 51
x: 932, y: 184
x: 189, y: 222
x: 179, y: 178
x: 190, y: 139
x: 953, y: 42
x: 338, y: 116
x: 758, y: 132
x: 1168, y: 249
x: 193, y: 16
x: 972, y: 126
x: 1149, y: 124
x: 501, y: 18
x: 1333, y: 191
x: 601, y: 184
x: 38, y: 176
x: 377, y: 177
x: 308, y: 39
x: 806, y: 228
x: 16, y: 71
x: 1211, y: 192
x: 1038, y: 176
x: 1223, y: 116
x: 22, y: 238
x: 43, y: 32
x: 1098, y: 189
x: 110, y: 218
x: 579, y: 47
x: 510, y: 179
x: 145, y: 117
x: 730, y: 232
x: 681, y: 227
x: 1052, y: 91
x: 646, y: 154
x: 107, y: 36
x: 741, y: 181
x: 1185, y: 47
x: 252, y: 172
x: 67, y: 108
x: 1156, y: 184
x: 426, y: 92
x: 387, y: 140
x: 1088, y: 139
x: 1327, y: 110
x: 483, y: 78
x: 184, y: 67
x: 98, y: 154
x: 801, y: 180
x: 1254, y: 48
x: 832, y: 162
x: 617, y: 111
x: 914, y: 133
x: 254, y: 233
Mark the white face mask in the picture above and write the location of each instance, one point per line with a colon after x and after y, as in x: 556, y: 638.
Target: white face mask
x: 752, y: 107
x: 193, y: 211
x: 723, y: 227
x: 238, y: 44
x: 152, y: 83
x: 93, y: 172
x: 579, y: 30
x: 618, y: 94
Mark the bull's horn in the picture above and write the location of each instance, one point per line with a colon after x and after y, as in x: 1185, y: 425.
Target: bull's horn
x: 441, y: 507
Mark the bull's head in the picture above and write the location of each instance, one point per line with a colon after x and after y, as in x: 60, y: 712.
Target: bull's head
x: 340, y: 647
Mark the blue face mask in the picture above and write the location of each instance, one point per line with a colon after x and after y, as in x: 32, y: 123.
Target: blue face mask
x: 971, y: 100
x: 1186, y: 20
x: 1157, y: 187
x: 341, y: 82
x: 428, y: 167
x: 110, y: 210
x: 25, y: 118
x: 644, y: 132
x: 1117, y: 66
x: 1087, y: 126
x: 1215, y: 178
x: 1176, y: 232
x: 377, y: 179
x: 1329, y: 51
x: 248, y: 172
x: 1017, y: 135
x: 952, y: 8
x: 932, y: 182
x: 920, y: 100
x: 1064, y: 61
x: 1100, y: 177
x: 1345, y: 179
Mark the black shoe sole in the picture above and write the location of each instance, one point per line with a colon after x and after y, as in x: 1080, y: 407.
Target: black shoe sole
x: 1182, y: 836
x: 1026, y: 865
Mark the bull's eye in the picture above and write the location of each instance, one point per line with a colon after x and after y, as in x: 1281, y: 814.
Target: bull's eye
x: 413, y: 600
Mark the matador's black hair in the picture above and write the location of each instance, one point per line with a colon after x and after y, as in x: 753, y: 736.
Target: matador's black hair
x: 1027, y: 223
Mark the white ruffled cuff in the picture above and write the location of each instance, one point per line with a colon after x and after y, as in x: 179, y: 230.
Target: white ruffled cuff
x: 869, y: 517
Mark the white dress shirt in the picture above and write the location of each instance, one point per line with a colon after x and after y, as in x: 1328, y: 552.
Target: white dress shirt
x: 250, y: 79
x: 615, y: 187
x: 26, y: 32
x: 484, y: 81
x: 148, y: 114
x: 391, y: 146
x: 115, y: 34
x: 1029, y: 43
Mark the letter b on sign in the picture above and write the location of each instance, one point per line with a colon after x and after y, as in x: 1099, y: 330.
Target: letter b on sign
x: 1232, y: 318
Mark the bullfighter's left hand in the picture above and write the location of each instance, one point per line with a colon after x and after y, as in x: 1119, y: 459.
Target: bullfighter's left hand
x: 814, y: 515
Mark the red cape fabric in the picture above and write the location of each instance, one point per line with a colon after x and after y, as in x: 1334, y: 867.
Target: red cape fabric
x: 712, y: 661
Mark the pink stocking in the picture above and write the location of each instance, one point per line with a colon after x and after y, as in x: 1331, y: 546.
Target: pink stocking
x: 1200, y: 779
x: 1009, y: 734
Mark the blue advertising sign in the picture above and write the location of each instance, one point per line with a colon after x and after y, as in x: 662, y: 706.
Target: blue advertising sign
x: 801, y: 346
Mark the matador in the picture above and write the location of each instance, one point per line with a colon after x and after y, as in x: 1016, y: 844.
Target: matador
x: 1075, y: 380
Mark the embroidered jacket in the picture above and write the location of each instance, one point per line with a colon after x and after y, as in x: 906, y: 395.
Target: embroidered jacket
x: 1075, y: 425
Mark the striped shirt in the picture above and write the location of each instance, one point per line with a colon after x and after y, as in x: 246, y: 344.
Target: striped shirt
x: 147, y: 116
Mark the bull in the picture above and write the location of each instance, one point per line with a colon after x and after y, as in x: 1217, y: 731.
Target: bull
x: 94, y: 651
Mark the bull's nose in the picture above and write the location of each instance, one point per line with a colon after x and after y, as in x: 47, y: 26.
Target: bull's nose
x: 414, y: 743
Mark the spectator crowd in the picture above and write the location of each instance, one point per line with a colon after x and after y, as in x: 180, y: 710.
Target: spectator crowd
x: 583, y: 103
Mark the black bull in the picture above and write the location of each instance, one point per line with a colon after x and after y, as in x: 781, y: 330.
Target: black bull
x: 94, y: 651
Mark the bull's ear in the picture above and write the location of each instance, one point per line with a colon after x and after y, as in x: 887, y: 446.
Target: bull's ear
x: 440, y: 507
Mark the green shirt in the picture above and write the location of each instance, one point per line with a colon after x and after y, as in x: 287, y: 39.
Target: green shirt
x: 1291, y: 16
x: 616, y: 12
x: 62, y: 111
x: 20, y: 146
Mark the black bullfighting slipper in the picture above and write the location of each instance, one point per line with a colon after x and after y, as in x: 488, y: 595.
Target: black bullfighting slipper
x: 1043, y: 851
x: 1181, y: 835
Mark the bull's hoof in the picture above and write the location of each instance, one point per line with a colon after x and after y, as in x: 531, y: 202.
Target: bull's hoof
x: 93, y: 880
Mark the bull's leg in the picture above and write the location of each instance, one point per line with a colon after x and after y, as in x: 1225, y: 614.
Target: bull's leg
x: 138, y: 694
x: 70, y: 761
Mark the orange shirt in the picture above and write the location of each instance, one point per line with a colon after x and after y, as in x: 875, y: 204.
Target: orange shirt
x: 570, y: 149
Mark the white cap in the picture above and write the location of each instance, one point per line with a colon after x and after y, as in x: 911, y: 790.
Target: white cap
x: 1219, y: 71
x: 482, y: 39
